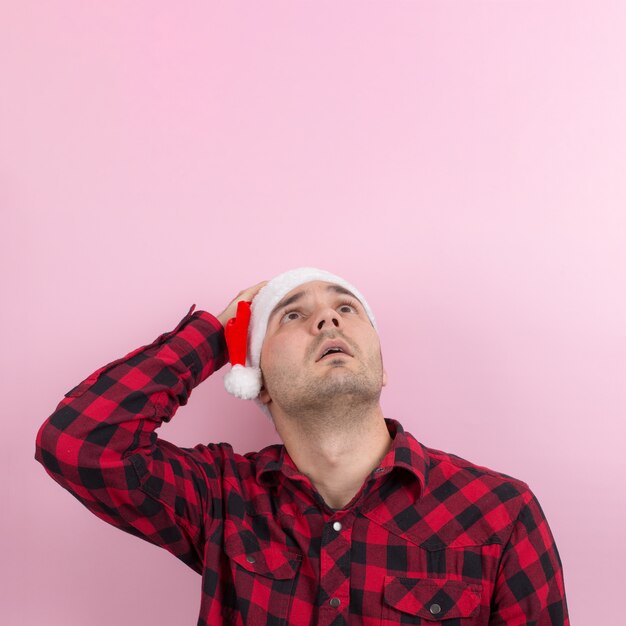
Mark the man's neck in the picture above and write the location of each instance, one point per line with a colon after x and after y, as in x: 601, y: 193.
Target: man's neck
x: 336, y: 454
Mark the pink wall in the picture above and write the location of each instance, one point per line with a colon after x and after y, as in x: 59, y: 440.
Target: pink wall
x: 462, y: 163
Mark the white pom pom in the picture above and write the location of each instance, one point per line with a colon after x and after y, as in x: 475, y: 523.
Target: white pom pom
x: 243, y: 382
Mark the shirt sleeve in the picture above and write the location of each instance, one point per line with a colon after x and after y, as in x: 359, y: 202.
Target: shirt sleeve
x: 529, y: 585
x: 100, y: 443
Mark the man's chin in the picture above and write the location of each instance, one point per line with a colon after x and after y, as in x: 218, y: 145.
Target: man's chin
x: 343, y: 384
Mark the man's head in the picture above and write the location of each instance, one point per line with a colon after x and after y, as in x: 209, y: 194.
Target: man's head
x: 293, y: 317
x: 320, y: 351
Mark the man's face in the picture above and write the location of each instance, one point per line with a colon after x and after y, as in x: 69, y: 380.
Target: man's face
x: 296, y: 376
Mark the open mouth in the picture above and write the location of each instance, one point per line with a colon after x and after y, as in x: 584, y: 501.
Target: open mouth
x: 333, y: 347
x: 331, y: 353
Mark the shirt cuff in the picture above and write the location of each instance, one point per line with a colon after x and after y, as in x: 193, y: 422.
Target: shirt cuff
x: 204, y: 334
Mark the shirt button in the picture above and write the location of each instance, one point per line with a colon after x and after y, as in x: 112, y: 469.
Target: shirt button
x: 335, y: 602
x: 337, y: 526
x: 378, y: 470
x: 435, y: 608
x: 250, y: 559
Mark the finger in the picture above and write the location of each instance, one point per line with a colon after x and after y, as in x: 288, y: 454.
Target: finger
x: 252, y: 291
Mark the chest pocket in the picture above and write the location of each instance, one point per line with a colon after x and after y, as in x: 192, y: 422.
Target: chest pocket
x: 268, y: 562
x: 263, y: 580
x: 430, y: 601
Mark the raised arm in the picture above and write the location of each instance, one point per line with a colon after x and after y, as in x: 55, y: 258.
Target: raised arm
x: 100, y: 442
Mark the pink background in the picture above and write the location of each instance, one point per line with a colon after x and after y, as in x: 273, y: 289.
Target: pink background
x: 462, y: 163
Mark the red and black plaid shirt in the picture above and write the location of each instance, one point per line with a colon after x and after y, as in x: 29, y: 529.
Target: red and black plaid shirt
x: 430, y: 537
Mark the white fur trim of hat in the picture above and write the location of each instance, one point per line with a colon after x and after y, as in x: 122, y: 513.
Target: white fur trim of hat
x: 245, y: 382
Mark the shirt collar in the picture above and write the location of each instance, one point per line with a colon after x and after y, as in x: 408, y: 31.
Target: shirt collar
x: 405, y: 453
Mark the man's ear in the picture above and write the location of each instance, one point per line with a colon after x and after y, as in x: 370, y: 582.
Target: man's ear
x: 385, y: 378
x: 264, y: 396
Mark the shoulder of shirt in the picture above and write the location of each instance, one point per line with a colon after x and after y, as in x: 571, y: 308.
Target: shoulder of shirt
x: 451, y: 460
x: 511, y: 490
x: 504, y: 495
x: 441, y: 462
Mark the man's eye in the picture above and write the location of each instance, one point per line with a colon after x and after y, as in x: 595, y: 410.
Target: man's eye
x: 289, y: 314
x: 348, y: 304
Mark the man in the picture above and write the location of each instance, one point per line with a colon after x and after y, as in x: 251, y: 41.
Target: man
x: 350, y: 521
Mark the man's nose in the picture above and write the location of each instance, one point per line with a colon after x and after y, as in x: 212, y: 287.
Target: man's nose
x: 328, y: 318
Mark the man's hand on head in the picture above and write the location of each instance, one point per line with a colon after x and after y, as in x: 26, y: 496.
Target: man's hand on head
x: 246, y: 294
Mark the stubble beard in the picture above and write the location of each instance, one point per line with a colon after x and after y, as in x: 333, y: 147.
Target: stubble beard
x: 341, y: 399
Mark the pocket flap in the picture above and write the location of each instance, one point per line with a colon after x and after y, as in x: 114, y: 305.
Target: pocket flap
x: 270, y: 562
x: 433, y: 598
